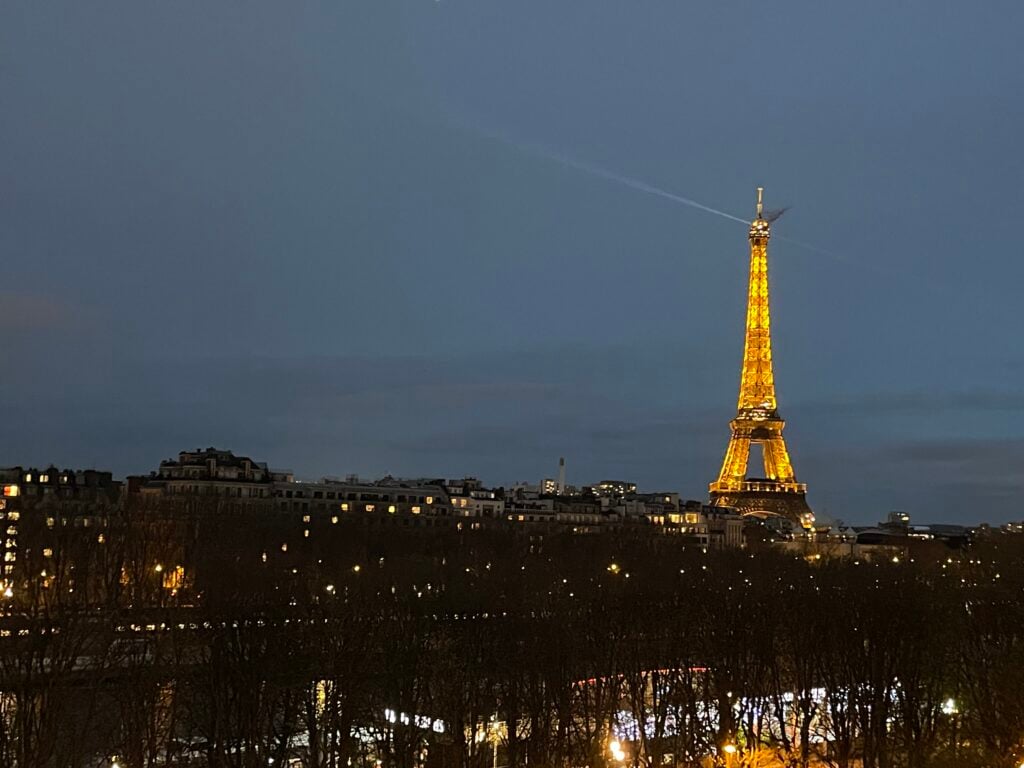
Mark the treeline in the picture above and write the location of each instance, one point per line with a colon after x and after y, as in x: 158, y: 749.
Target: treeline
x: 356, y: 645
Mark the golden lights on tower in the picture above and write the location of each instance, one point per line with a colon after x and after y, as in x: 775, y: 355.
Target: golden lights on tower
x: 757, y: 420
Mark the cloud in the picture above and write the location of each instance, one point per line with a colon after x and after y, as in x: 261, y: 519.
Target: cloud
x: 915, y: 403
x: 20, y: 312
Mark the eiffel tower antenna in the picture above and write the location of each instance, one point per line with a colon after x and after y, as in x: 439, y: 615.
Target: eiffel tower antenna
x: 757, y: 419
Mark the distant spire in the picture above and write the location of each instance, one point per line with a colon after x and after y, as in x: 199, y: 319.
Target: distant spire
x: 760, y: 204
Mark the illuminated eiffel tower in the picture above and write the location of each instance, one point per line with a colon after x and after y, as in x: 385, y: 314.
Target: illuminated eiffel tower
x: 757, y: 419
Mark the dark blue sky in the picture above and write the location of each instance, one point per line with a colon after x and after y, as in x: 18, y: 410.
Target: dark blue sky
x: 289, y: 229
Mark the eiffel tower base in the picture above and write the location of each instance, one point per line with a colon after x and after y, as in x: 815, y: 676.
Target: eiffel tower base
x: 761, y: 500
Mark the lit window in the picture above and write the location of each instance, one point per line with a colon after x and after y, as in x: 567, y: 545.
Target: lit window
x: 284, y: 547
x: 47, y: 552
x: 28, y: 478
x: 12, y: 490
x: 305, y: 533
x: 430, y: 499
x: 12, y: 531
x: 305, y: 518
x: 369, y: 507
x: 344, y: 507
x: 101, y: 538
x: 13, y: 515
x: 175, y: 579
x: 50, y: 522
x: 691, y: 518
x: 44, y: 478
x: 416, y: 509
x: 391, y: 508
x: 9, y: 557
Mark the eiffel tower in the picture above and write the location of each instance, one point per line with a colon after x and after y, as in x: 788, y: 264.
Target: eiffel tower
x: 757, y: 419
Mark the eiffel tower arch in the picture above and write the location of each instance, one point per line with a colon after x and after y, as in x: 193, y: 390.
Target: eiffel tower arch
x: 757, y: 419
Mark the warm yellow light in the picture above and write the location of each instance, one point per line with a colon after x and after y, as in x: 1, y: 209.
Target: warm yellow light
x: 430, y: 499
x: 334, y: 520
x: 416, y: 509
x: 357, y: 568
x: 614, y: 568
x: 12, y: 490
x: 729, y: 749
x: 344, y: 507
x: 158, y: 568
x: 391, y: 508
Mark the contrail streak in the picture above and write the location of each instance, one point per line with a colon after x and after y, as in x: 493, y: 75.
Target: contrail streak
x: 607, y: 175
x: 640, y: 186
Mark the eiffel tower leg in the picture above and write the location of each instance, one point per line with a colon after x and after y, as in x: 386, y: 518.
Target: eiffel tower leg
x: 734, y: 468
x: 776, y: 460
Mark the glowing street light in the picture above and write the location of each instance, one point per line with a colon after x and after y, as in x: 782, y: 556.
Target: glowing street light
x: 618, y: 753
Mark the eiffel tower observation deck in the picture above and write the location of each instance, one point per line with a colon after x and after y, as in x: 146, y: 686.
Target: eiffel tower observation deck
x: 757, y: 419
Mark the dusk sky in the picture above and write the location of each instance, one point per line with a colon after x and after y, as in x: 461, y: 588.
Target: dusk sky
x: 334, y: 237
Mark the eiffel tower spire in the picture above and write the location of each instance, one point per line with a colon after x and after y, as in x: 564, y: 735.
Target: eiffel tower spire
x: 757, y: 419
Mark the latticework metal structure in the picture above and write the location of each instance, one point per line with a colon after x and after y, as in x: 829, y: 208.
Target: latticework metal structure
x: 757, y: 419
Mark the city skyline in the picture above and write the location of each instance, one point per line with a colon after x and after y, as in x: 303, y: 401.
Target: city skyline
x: 324, y: 239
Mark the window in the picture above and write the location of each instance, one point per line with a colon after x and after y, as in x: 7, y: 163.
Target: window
x: 391, y: 509
x: 416, y: 509
x: 334, y: 520
x: 44, y: 478
x: 369, y: 507
x: 305, y: 518
x: 344, y: 507
x: 28, y: 477
x: 12, y: 490
x: 47, y: 552
x: 430, y: 499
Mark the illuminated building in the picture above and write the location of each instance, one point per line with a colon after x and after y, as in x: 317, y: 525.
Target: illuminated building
x: 614, y: 488
x: 757, y: 419
x: 36, y: 505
